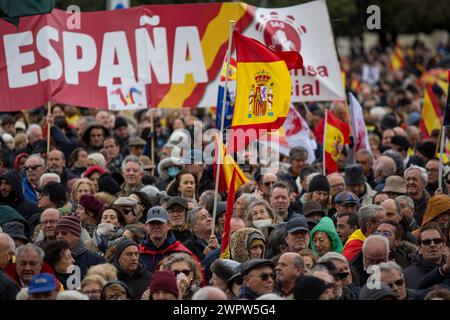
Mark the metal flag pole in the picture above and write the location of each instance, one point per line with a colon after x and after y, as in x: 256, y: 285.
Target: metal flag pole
x: 49, y: 126
x: 441, y: 155
x: 152, y: 128
x: 222, y: 123
x: 323, y: 146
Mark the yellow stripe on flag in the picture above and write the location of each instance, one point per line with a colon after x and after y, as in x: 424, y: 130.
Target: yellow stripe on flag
x: 430, y: 118
x: 278, y: 89
x: 215, y: 36
x: 334, y: 141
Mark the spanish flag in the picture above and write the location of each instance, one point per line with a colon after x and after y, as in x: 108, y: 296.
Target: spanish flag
x: 431, y: 113
x: 336, y: 135
x: 231, y: 178
x: 397, y: 59
x: 263, y: 89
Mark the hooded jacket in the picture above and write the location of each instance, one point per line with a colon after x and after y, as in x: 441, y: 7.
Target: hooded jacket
x: 436, y: 206
x: 8, y: 214
x: 240, y: 246
x: 326, y: 225
x: 16, y: 199
x: 152, y: 255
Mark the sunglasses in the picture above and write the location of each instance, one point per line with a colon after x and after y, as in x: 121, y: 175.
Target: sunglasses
x: 341, y: 275
x: 186, y: 272
x: 398, y: 283
x: 32, y: 167
x: 266, y: 276
x: 269, y: 183
x: 428, y: 242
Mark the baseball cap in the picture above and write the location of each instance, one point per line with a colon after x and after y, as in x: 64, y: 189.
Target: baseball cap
x: 42, y: 282
x: 177, y: 200
x: 157, y: 214
x: 297, y: 222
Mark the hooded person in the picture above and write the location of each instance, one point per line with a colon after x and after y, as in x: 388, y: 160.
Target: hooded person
x: 246, y: 244
x: 129, y: 269
x: 438, y: 210
x: 168, y: 168
x: 308, y: 287
x: 222, y: 270
x: 115, y: 290
x: 324, y: 238
x: 9, y: 214
x: 11, y: 194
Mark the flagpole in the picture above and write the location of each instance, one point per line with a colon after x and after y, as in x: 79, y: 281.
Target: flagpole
x: 324, y: 139
x: 222, y: 123
x: 152, y: 128
x: 441, y: 155
x: 49, y: 126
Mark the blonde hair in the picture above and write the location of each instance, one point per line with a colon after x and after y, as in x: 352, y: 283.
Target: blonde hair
x: 106, y: 270
x: 105, y: 197
x: 76, y: 185
x: 167, y: 262
x: 93, y: 278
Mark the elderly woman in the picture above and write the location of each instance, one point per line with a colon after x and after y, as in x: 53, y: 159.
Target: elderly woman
x: 324, y: 238
x: 259, y: 214
x: 80, y: 187
x: 184, y: 185
x: 93, y: 173
x: 92, y: 286
x: 188, y: 273
x: 246, y: 244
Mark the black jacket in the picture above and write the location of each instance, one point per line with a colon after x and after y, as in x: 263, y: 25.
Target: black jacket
x: 85, y: 258
x: 434, y: 277
x: 16, y: 199
x: 138, y: 282
x: 8, y: 288
x: 417, y: 270
x: 360, y: 276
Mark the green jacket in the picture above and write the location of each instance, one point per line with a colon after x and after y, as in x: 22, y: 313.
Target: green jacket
x: 326, y: 225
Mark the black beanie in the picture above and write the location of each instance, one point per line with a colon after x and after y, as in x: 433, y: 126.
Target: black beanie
x: 319, y: 183
x: 120, y: 122
x: 308, y: 288
x: 122, y: 245
x: 106, y: 183
x: 428, y: 149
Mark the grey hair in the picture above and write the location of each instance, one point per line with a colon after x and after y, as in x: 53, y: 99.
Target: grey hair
x: 98, y: 158
x: 377, y: 238
x: 365, y: 152
x: 423, y: 173
x: 71, y: 295
x: 9, y: 241
x: 192, y: 215
x: 29, y: 247
x: 409, y: 201
x: 38, y: 157
x: 386, y: 170
x: 133, y: 158
x: 32, y: 127
x: 368, y: 213
x: 330, y: 256
x: 390, y: 265
x: 47, y: 175
x: 257, y: 202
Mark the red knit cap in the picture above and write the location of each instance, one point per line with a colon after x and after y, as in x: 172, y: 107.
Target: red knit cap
x: 93, y: 169
x: 164, y: 280
x: 91, y: 204
x: 69, y: 223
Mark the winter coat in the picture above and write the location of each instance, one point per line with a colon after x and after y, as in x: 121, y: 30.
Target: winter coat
x: 29, y: 192
x: 183, y: 234
x: 403, y: 254
x: 420, y: 206
x: 240, y: 246
x: 8, y: 214
x: 10, y: 270
x: 16, y: 199
x: 137, y: 282
x: 367, y: 197
x: 326, y: 225
x: 8, y: 289
x: 414, y: 273
x: 85, y: 258
x: 150, y: 255
x: 434, y: 277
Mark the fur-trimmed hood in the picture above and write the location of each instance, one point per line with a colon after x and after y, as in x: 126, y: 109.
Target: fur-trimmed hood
x: 240, y: 246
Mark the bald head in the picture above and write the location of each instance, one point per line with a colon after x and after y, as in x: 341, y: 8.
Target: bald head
x: 391, y: 210
x: 49, y: 219
x: 384, y: 168
x: 375, y: 250
x: 209, y: 293
x: 337, y: 183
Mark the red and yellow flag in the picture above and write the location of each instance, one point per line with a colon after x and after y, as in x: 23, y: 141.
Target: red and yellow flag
x: 336, y: 135
x: 263, y: 88
x: 397, y: 59
x: 231, y: 178
x: 431, y: 113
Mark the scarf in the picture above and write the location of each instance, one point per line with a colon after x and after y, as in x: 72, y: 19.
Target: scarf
x: 79, y: 249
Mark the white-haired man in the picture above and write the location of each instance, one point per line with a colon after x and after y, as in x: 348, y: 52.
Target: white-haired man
x: 416, y: 181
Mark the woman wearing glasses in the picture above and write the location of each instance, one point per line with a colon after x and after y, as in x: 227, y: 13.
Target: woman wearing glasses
x: 188, y: 273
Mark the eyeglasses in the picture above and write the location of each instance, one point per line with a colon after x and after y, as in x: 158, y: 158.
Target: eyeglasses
x: 265, y: 276
x: 386, y: 233
x: 32, y: 168
x: 341, y: 275
x: 186, y: 272
x: 398, y: 283
x: 268, y: 183
x: 428, y: 242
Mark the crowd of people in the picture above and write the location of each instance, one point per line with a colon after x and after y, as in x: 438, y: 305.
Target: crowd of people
x: 103, y: 216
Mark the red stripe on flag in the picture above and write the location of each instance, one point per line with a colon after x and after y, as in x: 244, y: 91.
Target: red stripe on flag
x: 225, y: 247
